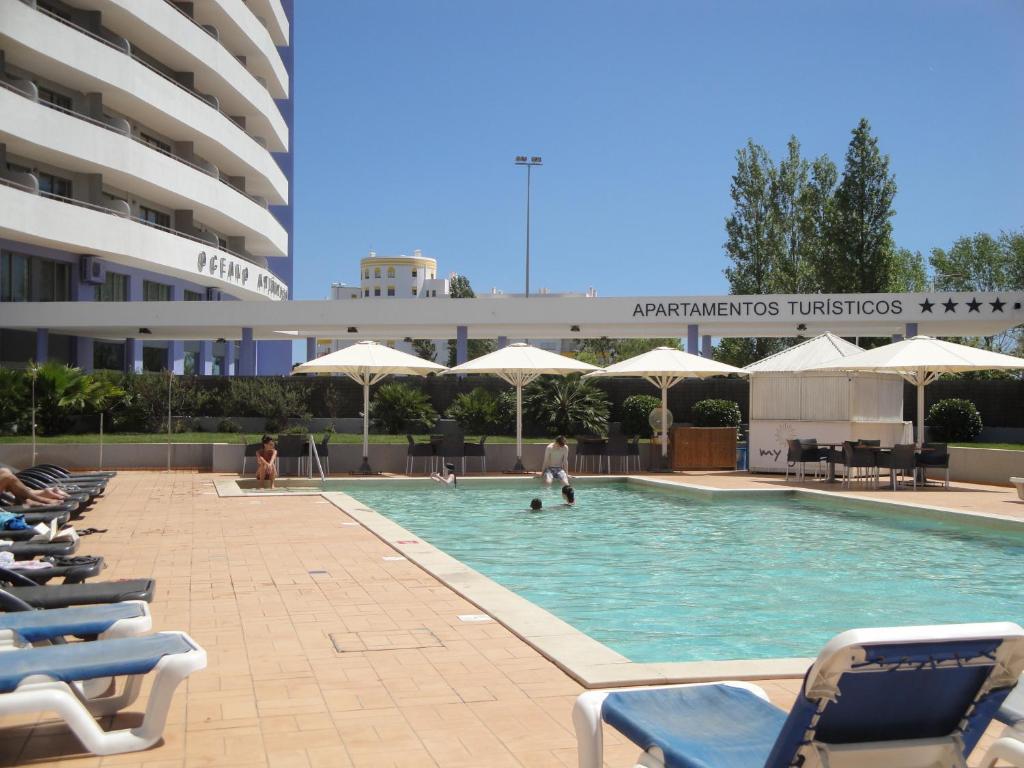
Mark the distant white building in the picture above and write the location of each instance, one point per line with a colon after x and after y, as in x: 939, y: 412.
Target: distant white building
x: 392, y: 277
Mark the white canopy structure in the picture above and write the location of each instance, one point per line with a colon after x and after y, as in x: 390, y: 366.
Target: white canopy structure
x: 366, y: 363
x: 920, y: 360
x: 665, y: 367
x: 806, y: 356
x: 519, y: 364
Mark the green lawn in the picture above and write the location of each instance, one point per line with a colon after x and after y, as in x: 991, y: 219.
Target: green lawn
x: 224, y: 437
x: 1000, y: 446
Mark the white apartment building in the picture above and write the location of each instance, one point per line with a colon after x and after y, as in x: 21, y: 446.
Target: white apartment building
x: 145, y: 155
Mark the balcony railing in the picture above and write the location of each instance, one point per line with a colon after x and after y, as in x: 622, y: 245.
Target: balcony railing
x: 110, y: 212
x: 208, y: 99
x: 129, y: 135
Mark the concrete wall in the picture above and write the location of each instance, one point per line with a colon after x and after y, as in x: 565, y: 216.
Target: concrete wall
x: 985, y: 465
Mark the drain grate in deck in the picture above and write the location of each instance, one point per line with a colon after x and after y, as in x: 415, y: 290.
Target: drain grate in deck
x: 384, y: 640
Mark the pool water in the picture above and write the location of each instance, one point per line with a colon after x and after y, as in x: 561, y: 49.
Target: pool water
x: 662, y: 575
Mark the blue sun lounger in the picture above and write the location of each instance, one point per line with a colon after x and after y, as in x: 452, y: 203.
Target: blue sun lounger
x: 48, y: 679
x: 908, y: 697
x: 1009, y: 747
x: 104, y: 622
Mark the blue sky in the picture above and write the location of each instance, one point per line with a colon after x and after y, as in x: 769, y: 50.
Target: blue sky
x: 409, y: 114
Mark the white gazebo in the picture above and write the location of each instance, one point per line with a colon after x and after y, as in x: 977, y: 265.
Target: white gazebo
x: 920, y: 360
x: 366, y: 363
x: 791, y: 397
x: 664, y: 367
x: 519, y: 364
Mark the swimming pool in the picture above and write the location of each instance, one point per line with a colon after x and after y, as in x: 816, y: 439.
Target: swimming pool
x: 664, y: 575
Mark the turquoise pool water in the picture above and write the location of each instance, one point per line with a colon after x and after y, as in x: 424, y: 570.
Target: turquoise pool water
x: 663, y: 576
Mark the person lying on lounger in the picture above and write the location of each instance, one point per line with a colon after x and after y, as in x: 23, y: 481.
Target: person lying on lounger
x: 10, y: 482
x: 266, y: 458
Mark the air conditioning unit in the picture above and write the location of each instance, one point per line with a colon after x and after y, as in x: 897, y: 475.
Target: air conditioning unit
x: 213, y: 294
x: 94, y: 271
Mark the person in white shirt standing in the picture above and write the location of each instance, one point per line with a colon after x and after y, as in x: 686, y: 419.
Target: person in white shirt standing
x: 556, y: 461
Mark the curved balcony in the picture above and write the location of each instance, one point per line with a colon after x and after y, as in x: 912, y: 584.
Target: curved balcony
x: 80, y: 144
x: 80, y: 227
x: 272, y: 16
x: 241, y: 33
x: 176, y: 41
x: 54, y: 49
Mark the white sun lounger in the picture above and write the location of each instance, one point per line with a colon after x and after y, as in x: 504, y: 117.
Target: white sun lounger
x: 104, y: 622
x: 1009, y: 747
x: 906, y: 697
x: 1019, y: 482
x: 40, y: 680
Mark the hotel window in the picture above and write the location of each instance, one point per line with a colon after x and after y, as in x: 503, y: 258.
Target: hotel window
x: 366, y: 274
x: 413, y: 291
x: 57, y: 99
x: 222, y: 243
x: 376, y: 291
x: 30, y: 278
x: 391, y: 273
x: 391, y: 290
x: 366, y: 291
x: 107, y: 355
x: 376, y: 272
x: 154, y: 142
x: 193, y: 296
x: 54, y: 185
x: 414, y: 272
x: 156, y: 218
x: 114, y: 289
x: 152, y: 291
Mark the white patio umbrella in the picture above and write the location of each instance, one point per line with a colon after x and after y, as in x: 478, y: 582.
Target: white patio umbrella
x: 921, y: 360
x: 519, y: 364
x: 366, y: 363
x: 665, y: 367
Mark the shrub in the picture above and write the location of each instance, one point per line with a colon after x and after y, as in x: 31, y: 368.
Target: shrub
x: 63, y: 392
x: 566, y: 406
x: 398, y: 407
x: 955, y: 420
x: 716, y: 413
x: 228, y: 426
x: 14, y: 401
x: 505, y: 413
x: 635, y: 412
x: 476, y: 412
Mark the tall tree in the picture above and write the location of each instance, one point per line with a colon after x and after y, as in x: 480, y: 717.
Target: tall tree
x: 816, y: 200
x: 860, y: 226
x: 459, y: 288
x: 909, y: 274
x: 604, y: 351
x: 790, y: 180
x: 753, y: 243
x: 981, y: 262
x: 425, y: 348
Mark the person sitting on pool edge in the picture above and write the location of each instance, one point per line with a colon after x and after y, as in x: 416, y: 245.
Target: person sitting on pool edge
x: 568, y: 495
x: 448, y: 478
x: 556, y: 461
x: 536, y: 505
x: 266, y: 458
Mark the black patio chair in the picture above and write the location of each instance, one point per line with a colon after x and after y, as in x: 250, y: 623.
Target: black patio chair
x: 934, y: 456
x: 251, y: 449
x: 586, y: 447
x: 476, y: 451
x: 616, y: 447
x: 415, y: 451
x: 900, y: 460
x: 856, y: 457
x: 291, y: 447
x: 452, y: 446
x: 800, y: 452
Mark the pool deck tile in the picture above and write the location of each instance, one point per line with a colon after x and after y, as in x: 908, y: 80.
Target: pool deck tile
x: 323, y: 654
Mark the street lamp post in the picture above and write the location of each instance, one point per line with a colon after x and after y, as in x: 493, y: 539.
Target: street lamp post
x: 529, y: 162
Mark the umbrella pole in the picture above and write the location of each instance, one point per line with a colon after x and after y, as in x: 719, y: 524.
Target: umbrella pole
x: 664, y: 426
x: 364, y: 468
x: 920, y: 409
x: 519, y: 429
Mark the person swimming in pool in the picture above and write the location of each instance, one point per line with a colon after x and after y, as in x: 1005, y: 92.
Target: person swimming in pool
x: 448, y: 478
x: 536, y: 505
x: 568, y: 496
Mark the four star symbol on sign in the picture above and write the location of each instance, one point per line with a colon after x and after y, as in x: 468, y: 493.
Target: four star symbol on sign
x: 973, y: 305
x: 997, y: 305
x: 950, y: 305
x: 926, y: 306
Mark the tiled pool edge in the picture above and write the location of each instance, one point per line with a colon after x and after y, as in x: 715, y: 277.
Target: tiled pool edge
x: 589, y: 662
